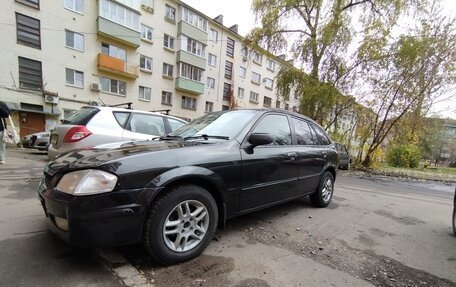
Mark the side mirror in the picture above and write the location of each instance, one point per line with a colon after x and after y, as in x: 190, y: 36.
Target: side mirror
x: 260, y: 139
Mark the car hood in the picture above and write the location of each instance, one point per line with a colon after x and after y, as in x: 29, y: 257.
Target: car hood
x: 127, y: 151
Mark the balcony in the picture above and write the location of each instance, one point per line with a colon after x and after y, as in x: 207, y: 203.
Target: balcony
x: 191, y: 31
x: 117, y: 66
x: 186, y: 57
x: 118, y: 33
x: 189, y: 86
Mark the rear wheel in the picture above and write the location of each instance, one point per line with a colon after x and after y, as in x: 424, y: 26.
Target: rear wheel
x: 180, y: 224
x: 322, y: 197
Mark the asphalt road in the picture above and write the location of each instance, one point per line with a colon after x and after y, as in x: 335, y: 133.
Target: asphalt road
x: 379, y: 232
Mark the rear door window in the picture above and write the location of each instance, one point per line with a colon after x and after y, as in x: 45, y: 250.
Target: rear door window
x: 320, y: 136
x: 302, y: 131
x: 81, y: 117
x: 121, y: 117
x: 147, y: 124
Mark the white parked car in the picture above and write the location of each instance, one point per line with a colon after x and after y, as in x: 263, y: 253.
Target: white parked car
x: 92, y: 126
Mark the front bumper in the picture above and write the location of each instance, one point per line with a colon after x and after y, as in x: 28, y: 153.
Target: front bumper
x: 108, y: 219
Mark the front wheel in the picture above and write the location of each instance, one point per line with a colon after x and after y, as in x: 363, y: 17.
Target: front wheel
x: 180, y: 224
x: 323, y: 195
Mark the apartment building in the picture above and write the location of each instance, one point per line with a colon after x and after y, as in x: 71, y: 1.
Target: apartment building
x: 60, y: 55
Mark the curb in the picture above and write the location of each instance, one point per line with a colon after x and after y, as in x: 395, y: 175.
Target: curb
x: 119, y: 266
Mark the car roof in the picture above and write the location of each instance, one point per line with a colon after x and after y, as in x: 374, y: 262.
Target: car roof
x: 117, y: 109
x: 275, y: 110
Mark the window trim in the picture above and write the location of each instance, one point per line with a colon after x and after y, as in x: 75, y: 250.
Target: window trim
x: 259, y: 78
x: 171, y: 8
x: 74, y: 73
x: 74, y: 33
x: 171, y: 39
x: 145, y: 61
x: 110, y: 92
x: 172, y: 70
x: 73, y: 9
x: 192, y: 99
x: 144, y: 88
x: 257, y: 96
x: 23, y: 40
x: 167, y: 93
x: 141, y: 25
x: 40, y: 88
x: 34, y: 4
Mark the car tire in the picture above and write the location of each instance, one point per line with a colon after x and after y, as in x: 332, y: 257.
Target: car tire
x: 190, y: 214
x: 323, y: 195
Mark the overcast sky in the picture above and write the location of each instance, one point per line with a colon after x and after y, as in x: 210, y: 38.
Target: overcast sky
x: 239, y: 12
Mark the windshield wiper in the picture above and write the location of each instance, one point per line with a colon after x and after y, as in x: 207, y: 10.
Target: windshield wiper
x: 206, y: 137
x: 170, y: 137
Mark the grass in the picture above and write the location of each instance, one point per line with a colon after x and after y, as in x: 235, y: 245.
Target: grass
x: 429, y: 173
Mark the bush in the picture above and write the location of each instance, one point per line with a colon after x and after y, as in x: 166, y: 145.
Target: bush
x: 406, y: 155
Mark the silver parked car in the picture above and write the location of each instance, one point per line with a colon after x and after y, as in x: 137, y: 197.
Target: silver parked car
x: 92, y: 126
x: 39, y: 141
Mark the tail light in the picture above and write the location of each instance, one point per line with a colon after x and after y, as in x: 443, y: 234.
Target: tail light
x: 76, y: 134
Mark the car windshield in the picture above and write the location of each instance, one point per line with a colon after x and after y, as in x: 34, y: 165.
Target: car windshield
x: 218, y: 124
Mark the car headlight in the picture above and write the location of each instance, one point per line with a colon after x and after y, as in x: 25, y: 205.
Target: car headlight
x: 87, y: 182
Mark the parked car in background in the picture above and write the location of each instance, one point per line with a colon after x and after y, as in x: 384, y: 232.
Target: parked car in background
x: 92, y: 126
x: 344, y: 156
x: 38, y: 141
x: 172, y: 193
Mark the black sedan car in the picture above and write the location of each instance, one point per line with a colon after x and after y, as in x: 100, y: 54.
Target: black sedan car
x: 171, y: 194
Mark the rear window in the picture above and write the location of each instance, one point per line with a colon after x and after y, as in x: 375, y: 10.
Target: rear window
x: 81, y: 117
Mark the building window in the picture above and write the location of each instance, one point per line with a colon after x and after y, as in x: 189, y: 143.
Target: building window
x: 113, y: 86
x: 168, y: 42
x: 256, y: 78
x: 277, y: 104
x: 286, y: 107
x: 230, y: 47
x: 74, y: 78
x: 148, y: 3
x: 193, y: 46
x: 188, y: 103
x: 254, y: 97
x: 190, y: 72
x: 75, y: 5
x: 31, y: 3
x: 213, y: 35
x: 228, y: 70
x: 194, y: 19
x: 114, y: 51
x: 225, y: 107
x: 210, y: 82
x: 271, y: 65
x: 119, y: 14
x: 212, y: 60
x: 242, y: 72
x: 28, y: 31
x: 209, y: 107
x: 267, y: 101
x: 145, y: 63
x: 166, y: 98
x: 257, y: 58
x: 240, y: 93
x: 268, y: 83
x: 168, y: 70
x: 226, y: 91
x: 144, y: 93
x: 170, y: 13
x: 147, y: 32
x: 74, y: 40
x: 244, y: 52
x: 30, y: 74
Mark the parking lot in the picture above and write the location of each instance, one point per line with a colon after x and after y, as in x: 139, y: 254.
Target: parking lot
x: 377, y: 231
